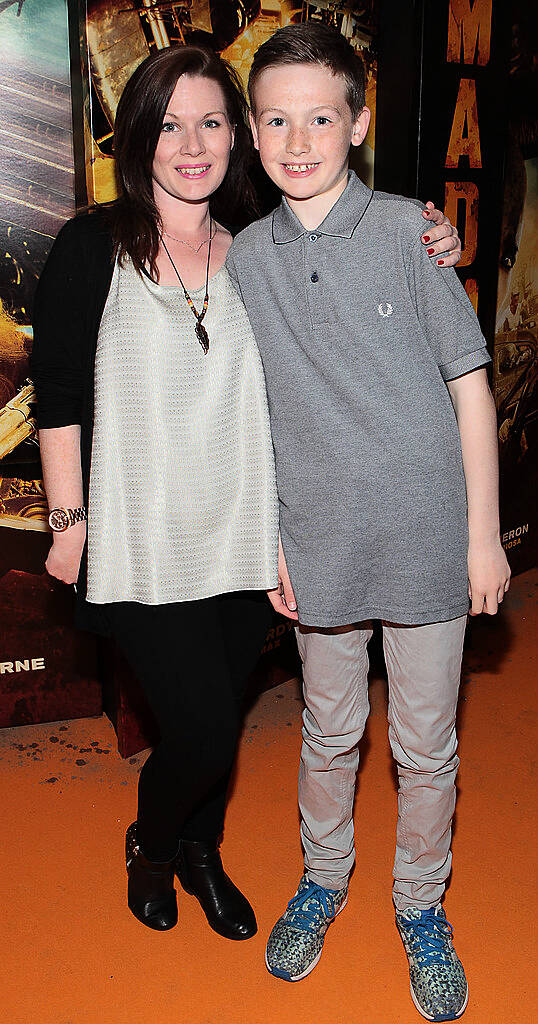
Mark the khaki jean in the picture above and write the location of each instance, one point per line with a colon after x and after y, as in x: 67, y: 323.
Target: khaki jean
x: 423, y: 667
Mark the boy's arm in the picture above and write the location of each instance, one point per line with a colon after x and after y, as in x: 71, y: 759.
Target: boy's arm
x: 489, y: 572
x: 441, y: 238
x: 283, y: 598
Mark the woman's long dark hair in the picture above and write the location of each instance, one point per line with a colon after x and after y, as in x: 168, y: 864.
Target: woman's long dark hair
x: 135, y: 219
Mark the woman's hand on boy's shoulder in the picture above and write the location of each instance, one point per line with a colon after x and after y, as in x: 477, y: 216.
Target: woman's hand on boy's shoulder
x: 441, y: 238
x: 489, y: 576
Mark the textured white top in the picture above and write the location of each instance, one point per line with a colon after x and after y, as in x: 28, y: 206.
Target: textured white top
x: 182, y: 501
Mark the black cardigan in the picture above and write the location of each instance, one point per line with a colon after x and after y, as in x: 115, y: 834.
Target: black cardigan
x: 68, y: 307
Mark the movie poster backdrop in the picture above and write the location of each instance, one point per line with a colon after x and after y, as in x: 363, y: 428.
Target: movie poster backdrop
x: 46, y: 669
x: 458, y: 104
x: 456, y: 100
x: 480, y: 90
x: 515, y: 352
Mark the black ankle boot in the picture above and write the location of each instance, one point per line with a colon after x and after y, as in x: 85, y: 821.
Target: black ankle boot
x: 150, y: 892
x: 200, y: 871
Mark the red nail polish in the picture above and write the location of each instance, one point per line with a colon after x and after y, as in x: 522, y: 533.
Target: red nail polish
x: 430, y: 252
x: 425, y: 238
x: 440, y: 263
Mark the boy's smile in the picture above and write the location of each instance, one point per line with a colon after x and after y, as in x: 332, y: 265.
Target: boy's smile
x: 299, y: 170
x: 303, y: 128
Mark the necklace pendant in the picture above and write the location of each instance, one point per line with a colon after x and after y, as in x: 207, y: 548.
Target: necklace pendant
x: 201, y: 332
x: 202, y: 336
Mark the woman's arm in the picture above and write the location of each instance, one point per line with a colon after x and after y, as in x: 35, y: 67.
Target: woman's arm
x: 62, y: 477
x: 489, y: 572
x: 73, y: 283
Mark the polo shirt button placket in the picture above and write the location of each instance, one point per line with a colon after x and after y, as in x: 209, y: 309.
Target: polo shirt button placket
x: 313, y: 296
x: 314, y: 277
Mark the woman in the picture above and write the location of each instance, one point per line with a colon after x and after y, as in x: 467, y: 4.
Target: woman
x: 153, y: 416
x: 175, y: 462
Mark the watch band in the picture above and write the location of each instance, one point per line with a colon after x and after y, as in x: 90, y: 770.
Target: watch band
x: 61, y: 519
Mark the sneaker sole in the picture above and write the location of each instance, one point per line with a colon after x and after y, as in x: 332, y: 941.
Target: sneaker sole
x: 284, y: 975
x: 454, y: 1016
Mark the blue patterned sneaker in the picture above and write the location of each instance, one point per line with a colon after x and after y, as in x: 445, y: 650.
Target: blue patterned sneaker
x: 296, y: 941
x: 438, y: 984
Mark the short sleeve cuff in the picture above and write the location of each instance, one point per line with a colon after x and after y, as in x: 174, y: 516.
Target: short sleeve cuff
x: 50, y: 419
x: 465, y: 364
x: 59, y: 404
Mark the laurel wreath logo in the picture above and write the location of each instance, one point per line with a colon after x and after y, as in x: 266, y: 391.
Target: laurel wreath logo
x: 384, y: 309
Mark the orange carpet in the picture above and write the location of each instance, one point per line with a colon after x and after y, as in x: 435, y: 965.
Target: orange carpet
x: 72, y: 954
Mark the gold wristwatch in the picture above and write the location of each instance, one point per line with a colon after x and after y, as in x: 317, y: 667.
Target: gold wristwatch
x: 61, y: 519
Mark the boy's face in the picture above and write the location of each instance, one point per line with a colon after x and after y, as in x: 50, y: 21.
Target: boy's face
x: 303, y: 128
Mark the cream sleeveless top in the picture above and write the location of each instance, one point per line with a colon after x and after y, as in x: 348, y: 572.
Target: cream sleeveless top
x: 182, y: 501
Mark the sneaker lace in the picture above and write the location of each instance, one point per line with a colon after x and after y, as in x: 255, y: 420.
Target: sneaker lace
x: 309, y: 906
x: 428, y: 936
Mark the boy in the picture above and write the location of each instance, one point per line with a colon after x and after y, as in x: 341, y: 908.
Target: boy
x: 385, y: 442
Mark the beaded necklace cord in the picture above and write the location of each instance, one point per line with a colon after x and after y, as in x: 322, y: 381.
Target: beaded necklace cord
x: 200, y: 330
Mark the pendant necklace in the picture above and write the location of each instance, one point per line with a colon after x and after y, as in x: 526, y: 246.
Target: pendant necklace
x: 200, y: 330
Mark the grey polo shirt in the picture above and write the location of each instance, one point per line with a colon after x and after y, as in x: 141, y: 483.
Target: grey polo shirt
x: 358, y: 333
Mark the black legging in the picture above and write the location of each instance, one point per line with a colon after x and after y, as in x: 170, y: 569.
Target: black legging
x: 192, y: 660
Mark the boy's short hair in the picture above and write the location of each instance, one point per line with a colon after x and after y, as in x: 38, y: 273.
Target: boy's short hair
x: 312, y: 43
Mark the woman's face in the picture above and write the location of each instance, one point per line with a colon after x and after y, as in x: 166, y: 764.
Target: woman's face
x: 193, y: 151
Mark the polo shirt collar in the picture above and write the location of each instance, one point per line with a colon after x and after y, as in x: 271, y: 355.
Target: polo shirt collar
x: 340, y: 221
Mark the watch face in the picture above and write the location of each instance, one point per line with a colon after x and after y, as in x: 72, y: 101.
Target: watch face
x: 58, y: 520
